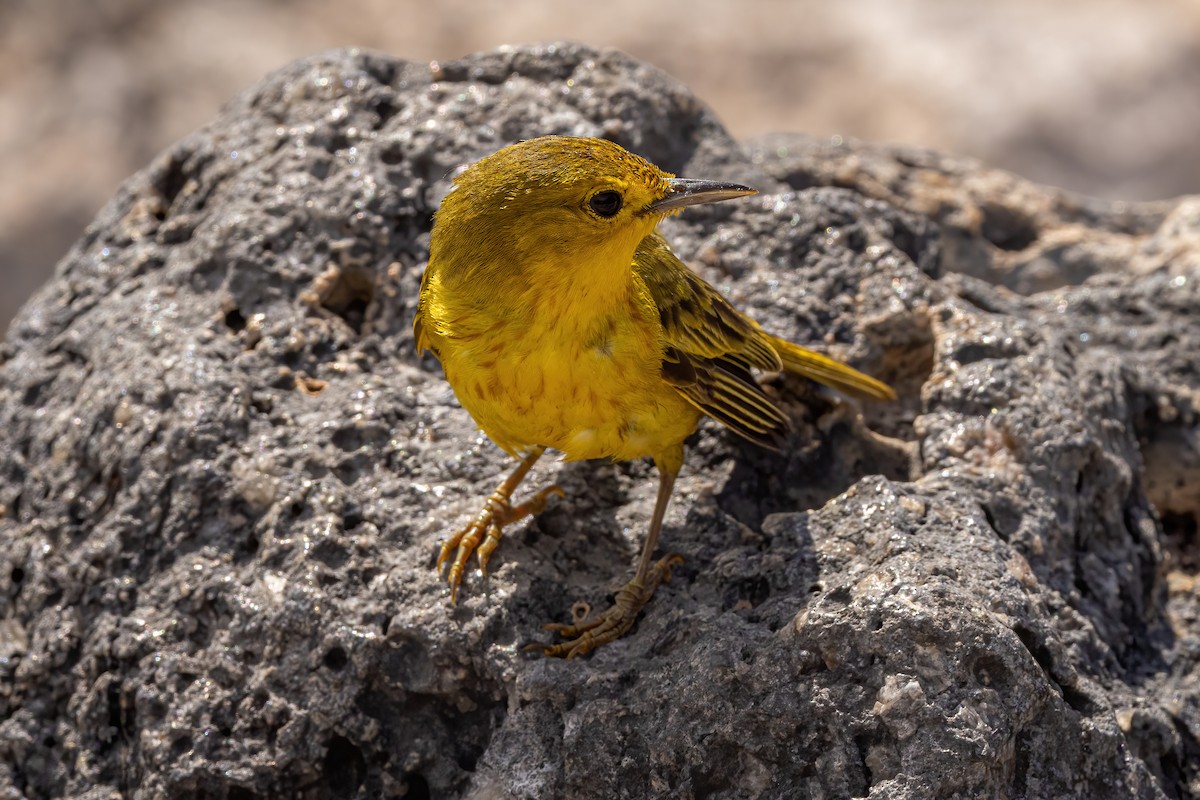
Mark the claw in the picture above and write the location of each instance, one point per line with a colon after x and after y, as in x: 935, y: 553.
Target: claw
x: 506, y: 514
x: 583, y: 637
x: 482, y: 535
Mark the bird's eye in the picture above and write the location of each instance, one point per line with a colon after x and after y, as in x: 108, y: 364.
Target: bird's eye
x: 606, y: 203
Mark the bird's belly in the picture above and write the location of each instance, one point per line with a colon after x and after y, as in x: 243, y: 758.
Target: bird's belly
x: 606, y: 401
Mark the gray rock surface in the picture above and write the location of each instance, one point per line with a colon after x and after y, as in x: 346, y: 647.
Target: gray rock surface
x: 224, y: 474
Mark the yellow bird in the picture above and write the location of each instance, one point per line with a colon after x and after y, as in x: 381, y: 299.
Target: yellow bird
x: 563, y: 320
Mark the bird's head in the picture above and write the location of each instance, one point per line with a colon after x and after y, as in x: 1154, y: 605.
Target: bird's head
x: 560, y: 206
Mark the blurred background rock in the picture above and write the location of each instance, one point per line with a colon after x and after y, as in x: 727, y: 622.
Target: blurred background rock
x: 1098, y: 96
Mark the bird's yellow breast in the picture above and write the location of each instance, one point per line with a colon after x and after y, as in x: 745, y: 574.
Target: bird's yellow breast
x: 590, y: 392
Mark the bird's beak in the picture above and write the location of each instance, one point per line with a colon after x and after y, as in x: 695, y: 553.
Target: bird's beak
x: 690, y: 192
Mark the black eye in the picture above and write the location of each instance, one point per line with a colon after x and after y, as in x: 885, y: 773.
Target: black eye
x: 606, y: 204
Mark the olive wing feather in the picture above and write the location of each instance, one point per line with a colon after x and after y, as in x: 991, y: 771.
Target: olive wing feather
x: 710, y: 347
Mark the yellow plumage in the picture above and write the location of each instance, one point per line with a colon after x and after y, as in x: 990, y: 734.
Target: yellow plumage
x: 562, y: 319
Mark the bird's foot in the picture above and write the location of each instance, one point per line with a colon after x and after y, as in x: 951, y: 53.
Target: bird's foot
x: 583, y: 637
x: 482, y: 534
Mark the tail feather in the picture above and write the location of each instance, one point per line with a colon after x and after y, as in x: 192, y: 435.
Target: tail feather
x: 829, y: 372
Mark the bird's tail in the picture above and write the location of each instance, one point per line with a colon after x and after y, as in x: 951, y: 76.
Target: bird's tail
x: 833, y: 374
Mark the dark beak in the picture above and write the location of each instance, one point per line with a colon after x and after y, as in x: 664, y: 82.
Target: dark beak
x: 690, y: 192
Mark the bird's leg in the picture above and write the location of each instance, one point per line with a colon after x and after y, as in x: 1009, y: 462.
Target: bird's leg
x: 484, y: 531
x: 617, y: 620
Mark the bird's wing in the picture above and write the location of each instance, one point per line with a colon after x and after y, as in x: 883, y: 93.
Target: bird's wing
x: 694, y: 315
x: 710, y: 347
x: 419, y: 335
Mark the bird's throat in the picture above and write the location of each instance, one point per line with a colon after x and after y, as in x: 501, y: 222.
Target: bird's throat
x: 584, y: 293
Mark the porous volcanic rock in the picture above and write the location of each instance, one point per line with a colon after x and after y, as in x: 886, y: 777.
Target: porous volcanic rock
x: 224, y: 473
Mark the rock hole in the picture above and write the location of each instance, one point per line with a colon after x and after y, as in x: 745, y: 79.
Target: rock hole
x: 262, y: 403
x: 1007, y: 228
x: 918, y: 245
x: 384, y: 110
x: 392, y: 153
x: 907, y: 363
x: 1182, y: 538
x: 172, y: 179
x: 748, y: 592
x: 862, y: 743
x: 418, y: 787
x: 380, y: 69
x: 309, y: 385
x: 235, y: 320
x: 347, y: 438
x: 319, y: 167
x: 467, y: 761
x: 120, y: 710
x: 335, y: 659
x: 345, y: 767
x: 1169, y: 438
x: 17, y: 575
x: 990, y: 670
x: 348, y: 293
x: 335, y: 142
x: 33, y: 394
x: 991, y: 521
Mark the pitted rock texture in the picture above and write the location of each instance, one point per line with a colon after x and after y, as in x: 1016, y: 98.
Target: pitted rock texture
x: 224, y: 474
